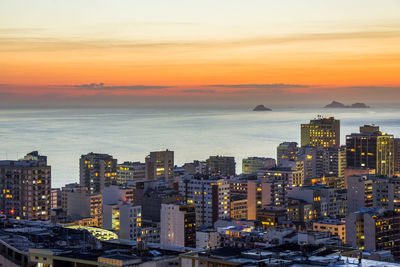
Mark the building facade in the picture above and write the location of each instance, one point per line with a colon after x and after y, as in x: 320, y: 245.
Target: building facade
x: 374, y: 230
x: 371, y: 149
x: 221, y: 165
x: 286, y: 150
x: 160, y: 165
x: 130, y: 172
x: 25, y: 188
x: 321, y: 132
x: 81, y: 205
x: 210, y: 197
x: 178, y: 225
x: 97, y: 171
x: 253, y: 164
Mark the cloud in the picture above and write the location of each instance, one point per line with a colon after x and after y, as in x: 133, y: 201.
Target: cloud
x: 20, y: 30
x: 101, y: 86
x: 48, y: 44
x: 260, y: 86
x: 372, y: 87
x: 198, y: 91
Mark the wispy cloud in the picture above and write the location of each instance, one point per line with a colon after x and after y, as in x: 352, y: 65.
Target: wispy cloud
x: 372, y: 87
x: 198, y: 91
x: 260, y: 86
x: 96, y: 94
x: 102, y: 86
x: 17, y: 31
x: 48, y: 43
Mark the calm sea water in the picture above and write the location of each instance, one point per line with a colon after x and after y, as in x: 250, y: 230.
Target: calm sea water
x: 193, y: 133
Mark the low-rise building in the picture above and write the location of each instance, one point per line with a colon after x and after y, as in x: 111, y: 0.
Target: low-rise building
x: 335, y: 227
x: 238, y: 207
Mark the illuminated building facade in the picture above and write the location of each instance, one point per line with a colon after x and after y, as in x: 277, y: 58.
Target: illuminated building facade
x: 327, y: 201
x: 116, y: 194
x: 160, y: 165
x: 238, y: 187
x: 82, y: 204
x: 397, y: 155
x: 123, y: 219
x: 321, y: 132
x: 130, y: 172
x: 293, y: 177
x: 221, y: 165
x: 265, y: 192
x: 286, y: 150
x: 371, y: 149
x: 178, y: 225
x: 374, y: 230
x: 253, y: 164
x: 97, y: 171
x: 320, y: 162
x: 270, y: 217
x: 335, y: 227
x: 210, y: 197
x: 55, y: 198
x: 299, y: 210
x: 25, y: 188
x: 238, y: 207
x: 372, y: 191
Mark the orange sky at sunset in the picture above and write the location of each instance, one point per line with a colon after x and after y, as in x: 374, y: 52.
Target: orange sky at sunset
x: 309, y: 59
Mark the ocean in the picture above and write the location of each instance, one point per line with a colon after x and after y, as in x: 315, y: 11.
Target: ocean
x: 129, y: 134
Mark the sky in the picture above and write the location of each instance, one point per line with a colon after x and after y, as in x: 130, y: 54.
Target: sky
x: 184, y: 52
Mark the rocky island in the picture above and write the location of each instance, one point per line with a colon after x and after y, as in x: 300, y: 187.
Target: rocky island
x: 336, y: 104
x: 261, y: 108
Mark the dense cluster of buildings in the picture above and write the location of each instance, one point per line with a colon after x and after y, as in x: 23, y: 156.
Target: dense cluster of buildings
x: 320, y: 203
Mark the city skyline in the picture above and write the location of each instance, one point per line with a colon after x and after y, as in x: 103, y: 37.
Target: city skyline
x: 199, y: 133
x: 133, y: 53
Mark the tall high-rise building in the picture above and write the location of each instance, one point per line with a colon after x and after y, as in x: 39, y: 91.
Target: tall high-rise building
x: 178, y: 225
x: 25, y: 188
x: 221, y: 165
x: 130, y: 172
x: 160, y: 165
x: 210, y: 197
x: 265, y: 192
x: 238, y: 207
x: 374, y: 230
x: 123, y: 218
x: 286, y: 150
x: 359, y: 193
x: 119, y: 213
x: 97, y: 171
x: 335, y: 161
x: 321, y: 132
x: 253, y: 164
x: 321, y: 162
x: 397, y: 154
x: 293, y: 176
x: 55, y: 198
x: 371, y: 149
x: 115, y: 194
x: 372, y: 191
x: 327, y: 201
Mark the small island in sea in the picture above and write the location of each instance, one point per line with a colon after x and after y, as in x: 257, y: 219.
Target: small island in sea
x: 336, y: 104
x: 261, y: 108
